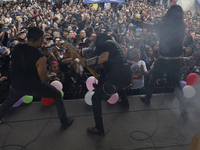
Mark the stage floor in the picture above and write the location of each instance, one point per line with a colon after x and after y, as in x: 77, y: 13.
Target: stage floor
x: 158, y: 126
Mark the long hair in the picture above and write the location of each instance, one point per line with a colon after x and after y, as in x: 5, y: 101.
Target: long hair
x: 188, y: 40
x: 101, y: 38
x: 173, y: 26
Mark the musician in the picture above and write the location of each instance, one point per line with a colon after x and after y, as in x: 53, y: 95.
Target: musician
x: 117, y: 73
x: 29, y: 76
x: 171, y: 40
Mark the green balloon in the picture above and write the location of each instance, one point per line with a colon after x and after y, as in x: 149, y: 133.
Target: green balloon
x: 27, y: 99
x: 62, y: 93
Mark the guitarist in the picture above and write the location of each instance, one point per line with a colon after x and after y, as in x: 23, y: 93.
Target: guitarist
x: 118, y: 76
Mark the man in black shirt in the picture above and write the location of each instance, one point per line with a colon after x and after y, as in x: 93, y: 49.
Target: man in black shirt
x: 29, y: 76
x: 65, y: 34
x: 171, y: 40
x: 117, y: 76
x: 70, y: 38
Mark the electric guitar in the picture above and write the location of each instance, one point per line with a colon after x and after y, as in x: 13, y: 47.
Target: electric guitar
x: 74, y: 50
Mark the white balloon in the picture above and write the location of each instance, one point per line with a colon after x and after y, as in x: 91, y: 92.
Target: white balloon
x: 188, y: 91
x: 88, y: 97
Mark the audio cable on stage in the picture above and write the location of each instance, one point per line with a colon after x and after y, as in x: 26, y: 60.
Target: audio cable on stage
x: 17, y: 145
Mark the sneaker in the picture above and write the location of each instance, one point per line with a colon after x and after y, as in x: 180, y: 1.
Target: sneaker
x: 94, y: 130
x: 144, y: 100
x: 66, y: 124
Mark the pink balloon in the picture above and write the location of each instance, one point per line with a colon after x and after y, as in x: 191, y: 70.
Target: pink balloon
x: 57, y: 84
x: 18, y: 103
x: 90, y: 81
x: 113, y: 99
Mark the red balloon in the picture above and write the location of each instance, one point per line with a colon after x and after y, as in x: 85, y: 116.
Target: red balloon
x: 193, y: 79
x: 47, y: 101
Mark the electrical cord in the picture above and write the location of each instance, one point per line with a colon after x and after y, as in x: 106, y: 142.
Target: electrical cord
x: 149, y: 136
x: 119, y: 113
x: 10, y: 145
x: 109, y: 128
x: 23, y: 147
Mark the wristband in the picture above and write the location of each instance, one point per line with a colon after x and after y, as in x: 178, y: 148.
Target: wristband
x: 91, y: 61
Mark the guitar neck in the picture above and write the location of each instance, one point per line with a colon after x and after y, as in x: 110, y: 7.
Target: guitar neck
x: 74, y: 50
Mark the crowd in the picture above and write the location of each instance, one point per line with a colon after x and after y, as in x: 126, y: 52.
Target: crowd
x: 133, y: 24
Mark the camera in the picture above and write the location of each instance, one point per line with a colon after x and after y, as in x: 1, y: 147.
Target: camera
x: 83, y: 44
x: 10, y: 26
x: 49, y: 38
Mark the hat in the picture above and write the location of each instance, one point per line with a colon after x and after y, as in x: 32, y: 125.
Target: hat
x: 78, y: 37
x: 17, y: 17
x: 137, y: 16
x: 47, y: 28
x: 65, y: 29
x: 74, y: 22
x: 71, y: 31
x: 53, y: 62
x: 191, y: 46
x: 101, y: 23
x: 20, y: 32
x: 45, y: 47
x: 64, y: 15
x: 12, y: 44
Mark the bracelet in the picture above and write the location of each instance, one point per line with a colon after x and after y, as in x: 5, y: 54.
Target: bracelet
x: 91, y: 61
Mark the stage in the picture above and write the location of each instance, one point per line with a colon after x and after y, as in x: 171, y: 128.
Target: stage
x: 158, y: 126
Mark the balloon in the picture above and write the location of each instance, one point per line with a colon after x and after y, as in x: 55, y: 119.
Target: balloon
x: 57, y: 84
x: 113, y: 99
x: 188, y: 91
x: 183, y: 83
x: 47, y: 101
x: 27, y: 99
x: 88, y: 97
x: 18, y: 103
x: 90, y: 81
x: 192, y: 79
x: 62, y: 93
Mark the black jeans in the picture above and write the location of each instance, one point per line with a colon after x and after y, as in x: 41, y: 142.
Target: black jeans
x: 44, y: 90
x: 104, y: 92
x: 171, y: 67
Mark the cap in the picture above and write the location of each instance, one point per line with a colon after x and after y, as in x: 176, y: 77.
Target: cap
x: 65, y: 29
x: 47, y: 28
x: 12, y: 44
x: 137, y: 16
x: 191, y: 46
x: 20, y: 32
x: 53, y: 62
x: 45, y: 47
x: 101, y: 23
x: 75, y: 22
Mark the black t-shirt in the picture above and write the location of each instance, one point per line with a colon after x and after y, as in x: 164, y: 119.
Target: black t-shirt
x: 24, y: 75
x: 64, y: 67
x: 122, y: 26
x: 57, y: 32
x: 171, y: 41
x: 117, y: 68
